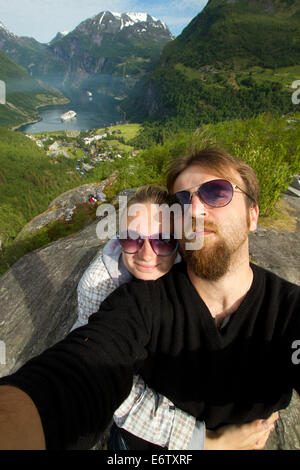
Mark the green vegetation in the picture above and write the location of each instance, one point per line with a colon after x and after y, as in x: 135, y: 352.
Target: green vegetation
x: 235, y: 60
x: 270, y: 145
x: 29, y: 181
x: 238, y: 35
x: 54, y: 231
x: 187, y: 98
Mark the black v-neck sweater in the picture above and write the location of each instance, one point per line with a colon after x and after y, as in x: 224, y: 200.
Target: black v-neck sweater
x: 164, y: 331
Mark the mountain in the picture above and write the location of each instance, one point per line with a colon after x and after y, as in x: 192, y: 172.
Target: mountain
x: 104, y: 54
x: 235, y: 59
x: 59, y: 36
x: 32, y: 55
x: 240, y: 34
x: 24, y: 94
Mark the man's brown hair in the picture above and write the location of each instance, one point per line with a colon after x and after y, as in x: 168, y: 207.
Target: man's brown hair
x: 222, y: 164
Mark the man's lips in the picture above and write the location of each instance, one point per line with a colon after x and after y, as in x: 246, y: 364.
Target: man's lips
x: 205, y: 230
x: 201, y: 232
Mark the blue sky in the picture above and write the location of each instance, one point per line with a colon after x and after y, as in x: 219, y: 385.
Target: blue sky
x: 42, y: 19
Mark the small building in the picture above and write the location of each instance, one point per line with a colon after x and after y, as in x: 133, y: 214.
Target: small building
x: 54, y: 147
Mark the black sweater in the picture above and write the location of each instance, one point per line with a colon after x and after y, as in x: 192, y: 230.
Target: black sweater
x: 163, y: 331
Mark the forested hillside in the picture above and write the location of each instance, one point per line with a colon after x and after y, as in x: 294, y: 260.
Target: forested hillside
x: 236, y: 59
x: 29, y: 180
x: 23, y: 94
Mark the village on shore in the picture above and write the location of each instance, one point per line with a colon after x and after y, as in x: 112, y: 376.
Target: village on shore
x: 87, y: 148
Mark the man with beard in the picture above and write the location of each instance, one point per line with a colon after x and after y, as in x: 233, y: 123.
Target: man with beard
x: 216, y: 335
x: 220, y: 270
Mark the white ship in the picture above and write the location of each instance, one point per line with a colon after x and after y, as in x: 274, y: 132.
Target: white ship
x: 68, y: 115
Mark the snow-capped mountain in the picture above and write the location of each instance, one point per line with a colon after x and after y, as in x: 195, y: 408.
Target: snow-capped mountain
x: 113, y: 23
x: 129, y: 19
x: 108, y: 53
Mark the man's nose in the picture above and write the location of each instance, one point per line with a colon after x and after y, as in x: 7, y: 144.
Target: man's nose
x: 198, y: 208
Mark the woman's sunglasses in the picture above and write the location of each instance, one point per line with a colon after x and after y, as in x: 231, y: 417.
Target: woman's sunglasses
x: 214, y: 193
x: 132, y: 242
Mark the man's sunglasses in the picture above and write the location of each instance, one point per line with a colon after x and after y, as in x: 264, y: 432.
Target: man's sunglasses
x: 162, y: 245
x: 214, y: 193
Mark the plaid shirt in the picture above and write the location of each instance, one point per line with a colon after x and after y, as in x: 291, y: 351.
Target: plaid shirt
x: 144, y: 413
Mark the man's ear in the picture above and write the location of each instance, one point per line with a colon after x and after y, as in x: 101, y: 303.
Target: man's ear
x: 253, y: 217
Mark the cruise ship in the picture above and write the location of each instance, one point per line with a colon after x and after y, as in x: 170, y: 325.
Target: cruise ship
x: 68, y: 115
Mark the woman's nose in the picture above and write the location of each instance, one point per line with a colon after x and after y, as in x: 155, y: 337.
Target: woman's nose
x: 146, y: 251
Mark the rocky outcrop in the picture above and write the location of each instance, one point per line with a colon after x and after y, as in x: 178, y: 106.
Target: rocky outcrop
x: 38, y: 300
x: 65, y: 205
x: 61, y: 208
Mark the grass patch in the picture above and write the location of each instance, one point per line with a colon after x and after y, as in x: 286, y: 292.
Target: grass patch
x: 120, y: 146
x: 190, y: 73
x: 282, y: 218
x: 74, y: 152
x: 127, y: 131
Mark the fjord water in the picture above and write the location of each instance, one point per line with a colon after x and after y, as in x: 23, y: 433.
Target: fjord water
x: 100, y: 112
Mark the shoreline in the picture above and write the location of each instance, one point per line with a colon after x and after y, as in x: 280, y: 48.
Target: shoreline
x: 27, y: 123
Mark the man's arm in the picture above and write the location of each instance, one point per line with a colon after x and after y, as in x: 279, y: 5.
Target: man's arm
x: 20, y: 423
x: 78, y: 384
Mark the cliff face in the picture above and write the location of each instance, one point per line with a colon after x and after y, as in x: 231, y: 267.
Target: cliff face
x: 38, y: 302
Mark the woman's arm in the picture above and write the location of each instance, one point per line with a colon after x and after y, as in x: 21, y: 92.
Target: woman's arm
x: 152, y: 417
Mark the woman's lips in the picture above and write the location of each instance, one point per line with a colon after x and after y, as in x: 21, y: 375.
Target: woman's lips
x: 146, y: 268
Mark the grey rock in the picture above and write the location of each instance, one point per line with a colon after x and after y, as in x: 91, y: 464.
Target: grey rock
x: 38, y: 296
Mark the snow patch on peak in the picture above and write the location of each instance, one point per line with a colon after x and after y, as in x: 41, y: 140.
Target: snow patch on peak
x: 64, y: 33
x: 137, y: 17
x: 129, y: 19
x: 100, y: 20
x: 116, y: 14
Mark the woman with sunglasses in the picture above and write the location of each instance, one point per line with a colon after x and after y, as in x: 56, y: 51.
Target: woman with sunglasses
x: 145, y: 251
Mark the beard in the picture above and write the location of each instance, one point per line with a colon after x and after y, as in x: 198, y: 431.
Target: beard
x: 213, y: 260
x: 209, y: 263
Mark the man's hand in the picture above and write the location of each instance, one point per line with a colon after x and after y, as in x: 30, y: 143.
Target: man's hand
x: 20, y: 423
x: 250, y: 436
